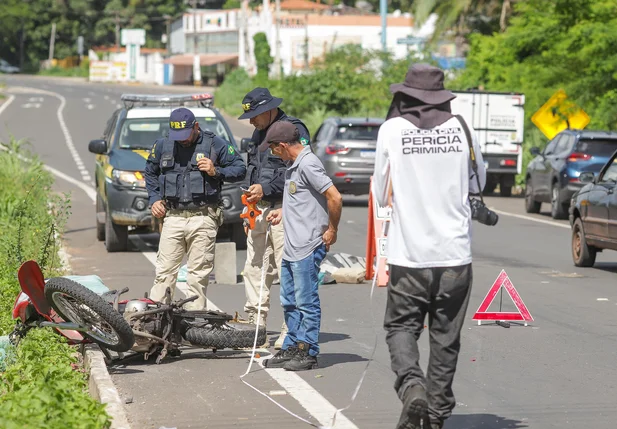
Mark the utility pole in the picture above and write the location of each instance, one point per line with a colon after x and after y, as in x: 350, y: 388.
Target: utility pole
x: 245, y: 36
x: 52, y: 40
x: 383, y: 9
x: 306, y: 42
x: 117, y: 31
x: 277, y: 49
x: 196, y: 61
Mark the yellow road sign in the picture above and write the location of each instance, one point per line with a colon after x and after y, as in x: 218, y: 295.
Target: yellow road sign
x: 555, y: 115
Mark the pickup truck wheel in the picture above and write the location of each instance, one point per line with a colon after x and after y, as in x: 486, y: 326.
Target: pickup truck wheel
x: 116, y: 236
x: 100, y: 227
x: 505, y: 191
x: 582, y: 254
x: 238, y: 236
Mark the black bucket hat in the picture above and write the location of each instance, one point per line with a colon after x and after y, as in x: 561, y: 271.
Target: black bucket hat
x: 425, y: 83
x: 258, y: 101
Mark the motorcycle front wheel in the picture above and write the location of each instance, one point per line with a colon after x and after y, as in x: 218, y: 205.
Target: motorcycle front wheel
x: 78, y: 304
x: 227, y: 335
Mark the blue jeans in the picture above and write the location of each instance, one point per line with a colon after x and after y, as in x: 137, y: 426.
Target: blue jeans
x: 300, y: 300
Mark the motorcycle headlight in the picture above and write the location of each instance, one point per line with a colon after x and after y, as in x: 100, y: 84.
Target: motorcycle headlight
x: 129, y: 178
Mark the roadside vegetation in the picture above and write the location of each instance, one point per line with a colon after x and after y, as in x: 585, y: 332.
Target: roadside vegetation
x: 42, y: 383
x: 537, y: 48
x: 347, y: 81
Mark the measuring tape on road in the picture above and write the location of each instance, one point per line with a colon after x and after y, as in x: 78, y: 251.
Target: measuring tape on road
x: 358, y: 385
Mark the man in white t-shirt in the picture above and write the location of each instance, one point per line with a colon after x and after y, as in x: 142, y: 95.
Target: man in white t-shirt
x: 423, y: 167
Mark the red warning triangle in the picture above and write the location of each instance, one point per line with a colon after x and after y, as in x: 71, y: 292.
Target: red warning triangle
x: 503, y: 281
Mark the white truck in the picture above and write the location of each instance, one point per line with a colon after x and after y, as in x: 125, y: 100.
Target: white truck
x: 498, y: 119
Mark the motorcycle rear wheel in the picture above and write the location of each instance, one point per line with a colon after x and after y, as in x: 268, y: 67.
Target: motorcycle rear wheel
x: 230, y: 335
x: 76, y: 303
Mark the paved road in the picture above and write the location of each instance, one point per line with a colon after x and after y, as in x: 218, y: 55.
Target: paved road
x: 559, y: 372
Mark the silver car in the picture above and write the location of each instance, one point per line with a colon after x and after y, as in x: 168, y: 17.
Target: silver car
x: 346, y: 147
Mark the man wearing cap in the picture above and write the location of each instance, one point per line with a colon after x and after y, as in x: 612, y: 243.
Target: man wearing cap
x: 311, y: 212
x: 184, y: 174
x: 423, y: 156
x: 265, y: 179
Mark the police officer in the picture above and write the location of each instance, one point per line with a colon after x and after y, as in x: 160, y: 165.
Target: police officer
x: 266, y: 180
x: 184, y: 174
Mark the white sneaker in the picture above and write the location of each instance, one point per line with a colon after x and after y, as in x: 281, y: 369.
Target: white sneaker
x: 279, y: 342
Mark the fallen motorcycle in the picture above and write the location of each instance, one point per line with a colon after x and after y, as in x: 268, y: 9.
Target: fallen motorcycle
x: 137, y: 325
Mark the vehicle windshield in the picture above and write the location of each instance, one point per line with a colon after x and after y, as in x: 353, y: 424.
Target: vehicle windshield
x: 140, y: 133
x: 597, y: 147
x: 357, y: 132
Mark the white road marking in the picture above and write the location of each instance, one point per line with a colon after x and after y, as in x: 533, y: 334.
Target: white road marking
x: 87, y: 100
x: 31, y: 105
x: 309, y: 398
x: 602, y: 299
x: 533, y: 219
x: 6, y: 103
x: 85, y: 175
x: 90, y: 192
x: 90, y: 106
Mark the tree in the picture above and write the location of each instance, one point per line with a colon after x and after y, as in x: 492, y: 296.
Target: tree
x: 551, y: 45
x: 262, y: 54
x: 463, y: 17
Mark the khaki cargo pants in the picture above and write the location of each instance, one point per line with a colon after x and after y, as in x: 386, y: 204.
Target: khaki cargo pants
x: 191, y: 233
x: 256, y: 249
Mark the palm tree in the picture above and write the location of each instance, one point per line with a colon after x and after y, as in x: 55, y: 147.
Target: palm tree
x: 461, y: 17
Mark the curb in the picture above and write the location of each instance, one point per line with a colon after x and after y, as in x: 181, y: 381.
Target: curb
x: 100, y: 385
x: 102, y: 388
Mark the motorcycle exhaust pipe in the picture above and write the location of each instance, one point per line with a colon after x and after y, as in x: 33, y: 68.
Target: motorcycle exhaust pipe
x: 63, y: 325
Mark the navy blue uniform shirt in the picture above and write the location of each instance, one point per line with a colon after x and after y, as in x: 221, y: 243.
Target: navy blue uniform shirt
x: 229, y: 164
x: 273, y: 182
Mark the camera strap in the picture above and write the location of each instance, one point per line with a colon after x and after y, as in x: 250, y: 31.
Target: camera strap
x: 472, y: 153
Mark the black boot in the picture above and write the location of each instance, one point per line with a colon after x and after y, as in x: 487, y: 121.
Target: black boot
x: 281, y: 357
x: 301, y: 361
x: 415, y: 409
x: 436, y: 425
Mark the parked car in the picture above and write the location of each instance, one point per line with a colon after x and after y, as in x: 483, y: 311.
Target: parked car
x: 553, y: 176
x: 5, y: 67
x: 593, y: 214
x: 121, y: 153
x: 346, y: 147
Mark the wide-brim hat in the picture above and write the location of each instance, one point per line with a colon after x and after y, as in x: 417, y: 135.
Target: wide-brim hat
x: 258, y: 101
x: 424, y: 82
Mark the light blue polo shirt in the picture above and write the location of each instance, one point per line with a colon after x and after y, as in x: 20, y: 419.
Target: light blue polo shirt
x: 305, y: 208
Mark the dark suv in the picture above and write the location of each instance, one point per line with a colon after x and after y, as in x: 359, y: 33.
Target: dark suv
x: 553, y: 175
x: 121, y: 153
x: 346, y: 147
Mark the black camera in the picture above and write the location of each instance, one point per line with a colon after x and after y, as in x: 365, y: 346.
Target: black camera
x: 481, y: 213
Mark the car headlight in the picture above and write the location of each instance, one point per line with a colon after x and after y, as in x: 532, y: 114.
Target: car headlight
x: 129, y: 178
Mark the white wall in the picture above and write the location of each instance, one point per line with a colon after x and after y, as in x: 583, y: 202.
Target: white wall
x: 292, y: 39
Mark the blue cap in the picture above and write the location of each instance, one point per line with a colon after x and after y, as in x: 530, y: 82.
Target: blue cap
x: 181, y: 123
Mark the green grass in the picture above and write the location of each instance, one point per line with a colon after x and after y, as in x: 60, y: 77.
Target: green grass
x: 42, y: 382
x: 46, y: 389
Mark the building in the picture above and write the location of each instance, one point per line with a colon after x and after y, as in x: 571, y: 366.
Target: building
x: 224, y: 38
x: 110, y: 64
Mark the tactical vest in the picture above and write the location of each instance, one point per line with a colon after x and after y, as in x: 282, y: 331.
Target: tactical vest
x: 264, y: 164
x: 184, y: 185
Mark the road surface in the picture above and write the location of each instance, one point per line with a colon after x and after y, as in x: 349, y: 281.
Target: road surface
x: 558, y: 372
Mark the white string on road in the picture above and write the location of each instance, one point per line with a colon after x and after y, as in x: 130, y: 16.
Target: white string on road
x: 319, y: 410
